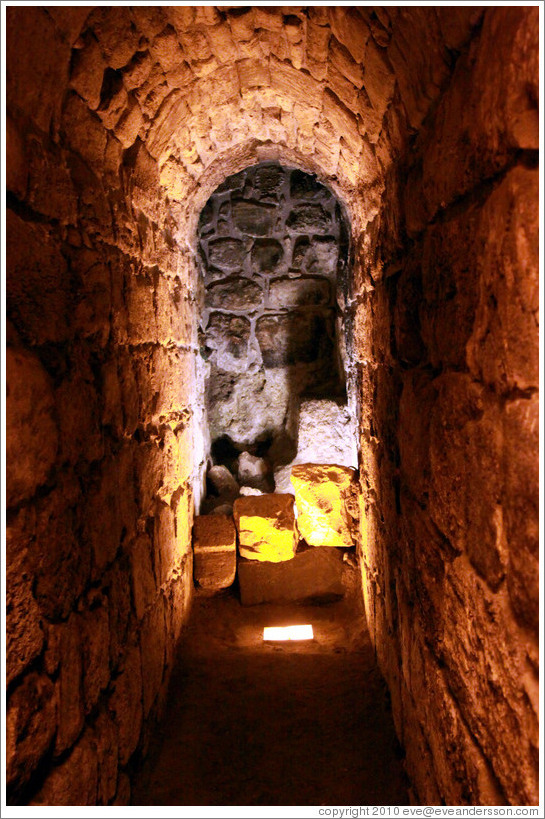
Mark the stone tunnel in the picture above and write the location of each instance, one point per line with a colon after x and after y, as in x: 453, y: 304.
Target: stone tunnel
x: 161, y: 238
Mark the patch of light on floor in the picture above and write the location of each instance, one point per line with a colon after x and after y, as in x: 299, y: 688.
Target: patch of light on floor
x: 288, y: 633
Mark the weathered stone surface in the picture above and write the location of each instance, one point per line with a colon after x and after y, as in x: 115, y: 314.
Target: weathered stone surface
x: 16, y: 163
x: 321, y: 493
x: 142, y: 576
x: 96, y: 661
x: 322, y: 257
x: 305, y: 218
x: 289, y: 339
x: 235, y: 294
x: 245, y: 491
x: 313, y: 576
x: 521, y: 506
x: 459, y: 656
x: 31, y: 432
x: 287, y: 293
x: 266, y: 255
x: 227, y: 254
x: 229, y: 336
x: 24, y: 631
x: 467, y: 479
x: 266, y: 527
x: 125, y: 703
x: 503, y: 349
x: 251, y: 470
x: 222, y: 480
x: 305, y: 186
x: 106, y: 743
x: 253, y: 218
x: 60, y: 561
x: 75, y: 780
x: 249, y: 406
x: 152, y: 644
x: 489, y: 112
x: 326, y: 431
x: 215, y: 551
x: 30, y: 727
x: 70, y: 705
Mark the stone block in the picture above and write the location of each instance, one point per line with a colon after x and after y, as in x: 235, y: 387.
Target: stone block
x: 115, y: 585
x: 215, y: 551
x: 234, y: 294
x: 106, y: 742
x: 227, y: 254
x: 75, y: 780
x: 293, y: 338
x: 228, y: 336
x: 309, y: 218
x: 489, y: 112
x: 68, y: 688
x: 303, y: 292
x: 152, y: 643
x: 253, y: 218
x: 504, y: 349
x: 24, y: 632
x: 321, y: 494
x: 31, y: 432
x: 142, y: 577
x: 268, y: 180
x: 30, y: 727
x: 266, y: 527
x: 521, y: 504
x: 326, y: 433
x: 16, y: 161
x: 223, y: 481
x: 266, y: 255
x: 466, y: 453
x: 96, y: 640
x: 60, y: 560
x: 322, y: 257
x: 249, y: 407
x: 251, y: 470
x: 125, y: 703
x: 489, y: 672
x: 313, y: 576
x: 38, y: 82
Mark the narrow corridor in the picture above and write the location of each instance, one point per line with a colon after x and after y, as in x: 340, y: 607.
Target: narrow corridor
x: 249, y: 723
x: 247, y: 248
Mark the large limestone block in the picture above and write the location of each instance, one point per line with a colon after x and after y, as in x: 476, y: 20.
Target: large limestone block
x: 313, y: 576
x: 215, y: 551
x: 266, y: 527
x: 321, y: 494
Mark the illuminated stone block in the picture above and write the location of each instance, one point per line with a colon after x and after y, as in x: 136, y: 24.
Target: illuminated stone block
x: 266, y: 527
x: 215, y: 551
x: 321, y: 495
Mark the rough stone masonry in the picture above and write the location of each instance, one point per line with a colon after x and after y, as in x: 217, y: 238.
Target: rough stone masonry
x: 121, y: 123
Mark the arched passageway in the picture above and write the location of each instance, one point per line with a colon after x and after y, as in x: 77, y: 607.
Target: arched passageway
x: 121, y: 123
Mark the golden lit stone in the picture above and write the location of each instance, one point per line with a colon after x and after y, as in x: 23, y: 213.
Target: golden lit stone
x: 266, y: 527
x: 215, y: 551
x: 320, y: 495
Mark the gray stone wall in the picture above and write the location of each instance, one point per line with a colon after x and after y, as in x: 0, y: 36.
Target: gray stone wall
x: 272, y: 247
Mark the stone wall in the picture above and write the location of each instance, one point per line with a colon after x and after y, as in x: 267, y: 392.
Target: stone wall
x: 450, y: 437
x: 272, y: 243
x: 121, y: 122
x: 101, y: 345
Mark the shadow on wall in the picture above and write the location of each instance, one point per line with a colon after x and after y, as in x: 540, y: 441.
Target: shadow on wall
x: 273, y: 249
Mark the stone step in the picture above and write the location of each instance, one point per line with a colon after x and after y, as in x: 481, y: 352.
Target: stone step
x: 313, y: 576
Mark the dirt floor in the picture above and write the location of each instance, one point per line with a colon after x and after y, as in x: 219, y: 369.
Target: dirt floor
x: 250, y: 723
